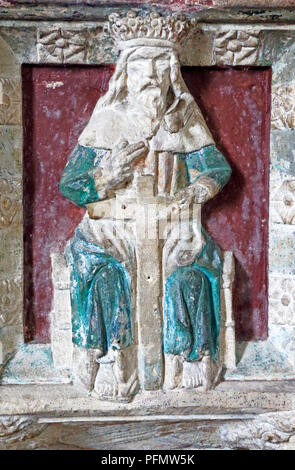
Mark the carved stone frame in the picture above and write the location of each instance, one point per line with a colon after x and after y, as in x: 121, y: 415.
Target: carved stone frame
x: 222, y: 38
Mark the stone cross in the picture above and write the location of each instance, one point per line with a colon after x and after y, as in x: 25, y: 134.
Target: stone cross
x: 150, y: 214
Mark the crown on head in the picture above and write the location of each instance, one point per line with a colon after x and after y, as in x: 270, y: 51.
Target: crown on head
x: 133, y: 29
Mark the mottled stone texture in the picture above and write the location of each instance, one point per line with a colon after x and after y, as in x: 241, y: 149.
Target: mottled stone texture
x: 174, y: 3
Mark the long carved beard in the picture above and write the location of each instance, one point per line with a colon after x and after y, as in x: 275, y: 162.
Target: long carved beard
x: 151, y: 104
x: 150, y: 101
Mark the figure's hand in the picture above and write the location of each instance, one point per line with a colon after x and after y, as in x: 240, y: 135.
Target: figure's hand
x: 202, y: 193
x: 197, y: 193
x: 183, y: 198
x: 117, y: 166
x: 125, y: 155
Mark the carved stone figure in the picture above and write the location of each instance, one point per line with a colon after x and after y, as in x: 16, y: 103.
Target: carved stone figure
x: 136, y: 300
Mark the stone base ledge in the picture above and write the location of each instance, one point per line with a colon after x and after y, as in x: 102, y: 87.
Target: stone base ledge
x: 135, y: 431
x: 228, y: 398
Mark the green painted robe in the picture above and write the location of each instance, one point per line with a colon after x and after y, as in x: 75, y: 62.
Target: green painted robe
x: 100, y: 285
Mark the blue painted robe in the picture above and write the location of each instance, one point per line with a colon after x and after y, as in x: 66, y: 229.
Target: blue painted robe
x: 100, y: 285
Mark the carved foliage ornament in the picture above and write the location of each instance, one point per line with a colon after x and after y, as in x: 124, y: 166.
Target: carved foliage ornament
x: 283, y: 203
x: 283, y: 106
x: 62, y: 46
x: 9, y: 101
x: 10, y: 200
x: 10, y: 302
x: 237, y: 47
x: 282, y: 300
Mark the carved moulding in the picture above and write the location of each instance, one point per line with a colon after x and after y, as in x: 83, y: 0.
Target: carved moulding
x: 270, y: 431
x: 94, y: 45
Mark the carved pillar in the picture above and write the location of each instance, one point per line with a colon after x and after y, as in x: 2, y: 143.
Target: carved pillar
x: 282, y: 199
x: 10, y: 203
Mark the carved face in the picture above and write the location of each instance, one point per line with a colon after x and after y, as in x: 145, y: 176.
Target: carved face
x: 148, y: 75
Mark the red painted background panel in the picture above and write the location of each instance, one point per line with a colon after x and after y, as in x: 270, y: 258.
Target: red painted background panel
x: 57, y: 104
x: 236, y: 104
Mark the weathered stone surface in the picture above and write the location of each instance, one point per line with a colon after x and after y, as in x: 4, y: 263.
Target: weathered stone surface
x: 22, y: 41
x: 11, y: 149
x: 31, y: 364
x: 228, y: 397
x: 11, y: 338
x: 282, y: 157
x: 15, y: 429
x: 199, y: 49
x: 268, y: 431
x: 264, y: 432
x: 10, y: 200
x: 12, y: 245
x: 283, y: 106
x: 10, y: 97
x: 10, y: 302
x: 237, y: 47
x: 274, y: 44
x: 257, y: 360
x: 101, y: 48
x: 280, y: 246
x: 61, y: 345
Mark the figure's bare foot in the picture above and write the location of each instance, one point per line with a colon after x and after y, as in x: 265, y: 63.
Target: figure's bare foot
x: 191, y: 377
x: 203, y: 373
x: 114, y: 381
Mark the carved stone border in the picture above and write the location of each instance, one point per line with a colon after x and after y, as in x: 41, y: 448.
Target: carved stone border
x: 221, y: 38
